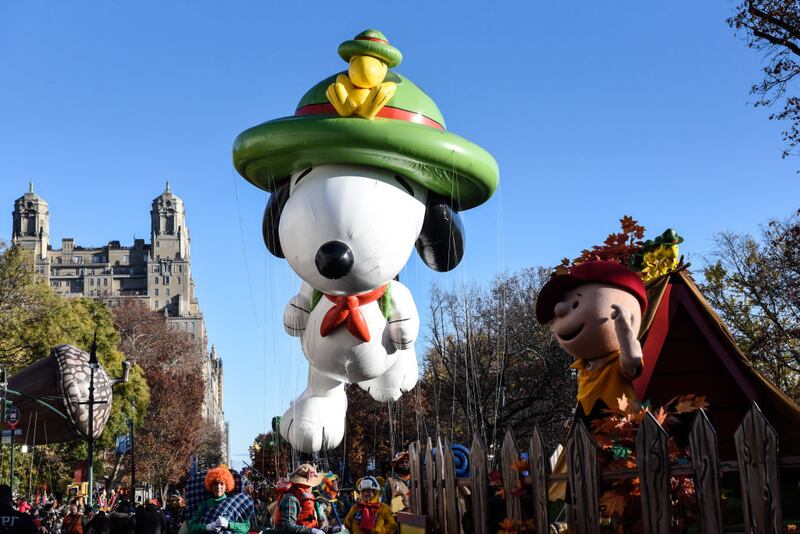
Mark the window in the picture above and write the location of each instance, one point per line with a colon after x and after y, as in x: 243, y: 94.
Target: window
x: 180, y: 279
x: 91, y: 281
x: 180, y: 268
x: 166, y: 280
x: 105, y: 281
x: 158, y: 243
x: 126, y: 259
x: 97, y: 259
x: 155, y: 268
x: 156, y: 293
x: 156, y: 304
x: 155, y: 279
x: 167, y: 291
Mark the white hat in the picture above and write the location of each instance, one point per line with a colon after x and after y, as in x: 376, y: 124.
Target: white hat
x: 368, y: 483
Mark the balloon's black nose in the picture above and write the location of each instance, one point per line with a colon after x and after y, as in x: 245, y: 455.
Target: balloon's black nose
x: 334, y: 260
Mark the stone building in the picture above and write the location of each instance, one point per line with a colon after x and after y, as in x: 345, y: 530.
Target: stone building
x: 158, y: 273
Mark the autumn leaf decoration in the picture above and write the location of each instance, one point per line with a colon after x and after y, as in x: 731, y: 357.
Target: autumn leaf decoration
x: 507, y: 526
x: 615, y: 435
x: 619, y: 246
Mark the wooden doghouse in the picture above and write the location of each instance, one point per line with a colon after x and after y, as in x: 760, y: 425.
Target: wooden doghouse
x: 688, y: 349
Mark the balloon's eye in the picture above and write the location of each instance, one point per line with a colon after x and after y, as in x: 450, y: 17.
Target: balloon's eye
x: 574, y: 304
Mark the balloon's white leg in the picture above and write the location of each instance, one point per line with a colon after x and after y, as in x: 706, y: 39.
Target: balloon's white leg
x: 400, y: 377
x: 315, y: 420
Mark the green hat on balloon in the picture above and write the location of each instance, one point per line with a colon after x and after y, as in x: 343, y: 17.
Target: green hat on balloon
x: 371, y: 43
x: 369, y: 115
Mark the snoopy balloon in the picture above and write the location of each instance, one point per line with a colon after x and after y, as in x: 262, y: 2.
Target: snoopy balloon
x: 360, y: 175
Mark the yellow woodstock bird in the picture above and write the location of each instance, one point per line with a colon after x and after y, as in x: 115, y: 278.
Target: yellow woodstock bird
x: 362, y: 90
x: 659, y: 257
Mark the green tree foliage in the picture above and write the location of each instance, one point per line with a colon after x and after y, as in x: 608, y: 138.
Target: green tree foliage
x: 33, y: 320
x: 754, y: 284
x: 270, y: 457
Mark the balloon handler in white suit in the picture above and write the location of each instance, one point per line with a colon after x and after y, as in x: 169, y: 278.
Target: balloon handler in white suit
x: 362, y: 174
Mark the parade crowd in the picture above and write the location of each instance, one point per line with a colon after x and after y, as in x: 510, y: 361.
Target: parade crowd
x: 306, y: 502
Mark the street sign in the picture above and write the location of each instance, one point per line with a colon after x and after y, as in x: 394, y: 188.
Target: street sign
x: 7, y: 435
x: 13, y: 416
x: 123, y: 445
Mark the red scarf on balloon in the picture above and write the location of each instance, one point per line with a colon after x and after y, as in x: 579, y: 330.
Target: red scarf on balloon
x: 346, y: 310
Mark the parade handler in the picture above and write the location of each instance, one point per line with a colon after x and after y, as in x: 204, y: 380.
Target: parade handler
x: 369, y: 514
x: 397, y: 490
x: 220, y: 512
x: 595, y: 310
x: 298, y: 511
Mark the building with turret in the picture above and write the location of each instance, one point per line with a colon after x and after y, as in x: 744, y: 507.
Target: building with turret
x: 158, y: 273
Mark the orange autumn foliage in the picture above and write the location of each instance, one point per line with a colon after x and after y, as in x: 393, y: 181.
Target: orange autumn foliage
x: 615, y: 435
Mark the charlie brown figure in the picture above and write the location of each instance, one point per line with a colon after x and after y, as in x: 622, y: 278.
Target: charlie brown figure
x: 595, y: 310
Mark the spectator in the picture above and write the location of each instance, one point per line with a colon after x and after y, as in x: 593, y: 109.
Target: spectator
x: 122, y: 519
x: 99, y: 524
x: 12, y: 521
x: 73, y: 521
x: 149, y: 520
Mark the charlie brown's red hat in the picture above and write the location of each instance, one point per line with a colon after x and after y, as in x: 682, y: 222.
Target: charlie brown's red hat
x: 595, y: 271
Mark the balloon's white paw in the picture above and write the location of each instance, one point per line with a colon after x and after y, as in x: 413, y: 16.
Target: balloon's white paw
x: 315, y: 423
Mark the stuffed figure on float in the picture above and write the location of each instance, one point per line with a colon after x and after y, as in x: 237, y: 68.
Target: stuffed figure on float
x: 595, y: 310
x: 360, y: 175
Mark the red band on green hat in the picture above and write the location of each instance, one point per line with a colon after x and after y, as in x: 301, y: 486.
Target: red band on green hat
x: 372, y: 39
x: 387, y: 112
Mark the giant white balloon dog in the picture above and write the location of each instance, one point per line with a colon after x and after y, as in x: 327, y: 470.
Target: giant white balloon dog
x: 347, y: 231
x: 362, y: 173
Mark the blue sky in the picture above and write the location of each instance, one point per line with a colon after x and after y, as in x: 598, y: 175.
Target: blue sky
x: 592, y: 110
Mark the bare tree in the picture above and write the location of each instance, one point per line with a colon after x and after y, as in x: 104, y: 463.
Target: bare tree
x: 491, y: 366
x: 773, y: 28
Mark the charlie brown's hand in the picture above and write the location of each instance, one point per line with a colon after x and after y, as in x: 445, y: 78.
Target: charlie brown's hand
x: 629, y: 347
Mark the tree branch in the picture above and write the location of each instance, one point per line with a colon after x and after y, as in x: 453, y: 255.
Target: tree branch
x: 756, y: 12
x: 776, y: 41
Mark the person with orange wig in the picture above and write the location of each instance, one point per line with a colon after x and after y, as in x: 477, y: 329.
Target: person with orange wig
x: 218, y: 482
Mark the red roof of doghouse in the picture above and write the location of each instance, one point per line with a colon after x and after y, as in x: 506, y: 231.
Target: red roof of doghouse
x: 688, y: 349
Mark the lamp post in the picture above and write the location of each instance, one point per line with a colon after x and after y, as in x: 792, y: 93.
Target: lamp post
x: 93, y: 365
x: 133, y: 459
x: 3, y: 388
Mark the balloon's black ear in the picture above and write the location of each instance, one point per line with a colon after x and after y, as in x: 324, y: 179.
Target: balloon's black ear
x: 441, y: 242
x: 272, y: 219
